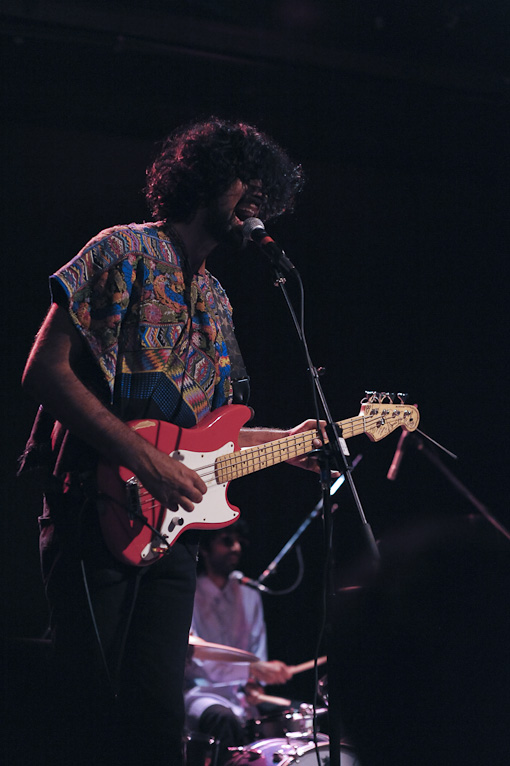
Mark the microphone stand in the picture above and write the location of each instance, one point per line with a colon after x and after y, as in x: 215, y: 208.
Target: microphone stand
x: 335, y: 453
x: 272, y: 567
x: 435, y: 460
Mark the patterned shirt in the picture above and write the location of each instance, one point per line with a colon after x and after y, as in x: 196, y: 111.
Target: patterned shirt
x: 157, y: 341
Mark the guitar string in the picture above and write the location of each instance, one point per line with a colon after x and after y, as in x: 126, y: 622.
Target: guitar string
x: 264, y: 453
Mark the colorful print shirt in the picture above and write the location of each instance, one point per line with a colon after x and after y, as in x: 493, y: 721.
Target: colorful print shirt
x: 160, y: 351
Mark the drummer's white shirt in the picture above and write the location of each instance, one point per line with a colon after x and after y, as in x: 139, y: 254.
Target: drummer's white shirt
x: 232, y: 616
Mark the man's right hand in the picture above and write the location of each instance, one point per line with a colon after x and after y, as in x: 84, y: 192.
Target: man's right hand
x: 270, y: 672
x: 168, y: 480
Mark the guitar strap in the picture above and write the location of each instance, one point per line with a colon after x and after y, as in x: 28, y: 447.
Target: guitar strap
x: 238, y: 375
x: 37, y: 459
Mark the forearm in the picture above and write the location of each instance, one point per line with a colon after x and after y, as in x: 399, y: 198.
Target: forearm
x: 58, y: 389
x: 250, y: 437
x: 50, y: 379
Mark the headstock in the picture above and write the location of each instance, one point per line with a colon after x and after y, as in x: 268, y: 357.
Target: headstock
x: 383, y: 415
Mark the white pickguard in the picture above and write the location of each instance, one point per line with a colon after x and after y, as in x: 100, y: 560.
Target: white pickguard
x: 213, y: 510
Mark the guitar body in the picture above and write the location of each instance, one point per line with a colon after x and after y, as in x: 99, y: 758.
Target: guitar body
x: 126, y: 510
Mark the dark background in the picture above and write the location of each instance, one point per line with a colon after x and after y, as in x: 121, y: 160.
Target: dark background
x: 400, y: 118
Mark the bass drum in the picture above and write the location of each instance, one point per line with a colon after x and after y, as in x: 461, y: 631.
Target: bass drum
x: 286, y: 752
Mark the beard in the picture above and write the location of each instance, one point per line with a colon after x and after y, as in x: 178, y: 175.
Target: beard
x: 224, y: 227
x: 224, y: 565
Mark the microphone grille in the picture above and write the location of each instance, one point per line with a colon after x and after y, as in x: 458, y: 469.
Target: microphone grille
x: 249, y: 226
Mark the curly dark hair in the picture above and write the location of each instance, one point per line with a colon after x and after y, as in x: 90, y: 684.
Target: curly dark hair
x: 240, y: 528
x: 199, y: 161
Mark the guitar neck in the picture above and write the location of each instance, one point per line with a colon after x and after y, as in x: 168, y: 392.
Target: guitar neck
x: 252, y: 459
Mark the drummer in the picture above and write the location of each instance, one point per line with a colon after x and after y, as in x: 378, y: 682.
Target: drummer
x: 220, y: 697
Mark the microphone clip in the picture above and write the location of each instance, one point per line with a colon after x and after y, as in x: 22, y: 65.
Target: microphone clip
x: 254, y: 231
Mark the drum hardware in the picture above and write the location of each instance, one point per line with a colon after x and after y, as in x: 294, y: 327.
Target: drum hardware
x: 290, y: 721
x: 290, y: 724
x: 201, y: 749
x: 300, y: 722
x: 322, y: 690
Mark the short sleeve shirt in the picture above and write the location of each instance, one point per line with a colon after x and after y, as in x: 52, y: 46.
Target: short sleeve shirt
x: 157, y: 342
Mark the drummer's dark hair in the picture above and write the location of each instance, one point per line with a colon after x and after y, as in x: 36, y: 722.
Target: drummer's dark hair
x: 239, y: 528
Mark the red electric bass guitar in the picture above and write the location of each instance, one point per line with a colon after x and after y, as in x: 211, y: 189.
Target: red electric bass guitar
x: 139, y: 530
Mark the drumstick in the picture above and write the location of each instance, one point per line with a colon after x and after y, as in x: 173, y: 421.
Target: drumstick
x: 306, y: 665
x: 273, y: 700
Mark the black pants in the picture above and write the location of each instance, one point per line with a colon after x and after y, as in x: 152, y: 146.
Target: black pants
x: 118, y: 676
x: 227, y: 729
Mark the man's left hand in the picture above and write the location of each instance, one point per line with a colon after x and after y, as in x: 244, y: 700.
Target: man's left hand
x: 309, y: 462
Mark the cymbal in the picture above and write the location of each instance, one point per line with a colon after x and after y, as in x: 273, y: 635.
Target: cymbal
x: 205, y: 650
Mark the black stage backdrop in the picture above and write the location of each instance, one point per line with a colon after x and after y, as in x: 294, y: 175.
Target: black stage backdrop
x: 401, y: 238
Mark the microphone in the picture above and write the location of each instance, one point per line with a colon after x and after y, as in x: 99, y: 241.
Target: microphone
x: 253, y: 230
x: 241, y: 578
x: 397, y: 457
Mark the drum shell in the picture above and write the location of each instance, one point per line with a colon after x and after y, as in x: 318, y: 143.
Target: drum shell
x: 290, y: 750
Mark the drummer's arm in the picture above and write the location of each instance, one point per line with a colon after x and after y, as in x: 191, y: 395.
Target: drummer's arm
x: 270, y: 672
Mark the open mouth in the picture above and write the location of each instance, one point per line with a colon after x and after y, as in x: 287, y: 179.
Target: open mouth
x: 247, y: 210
